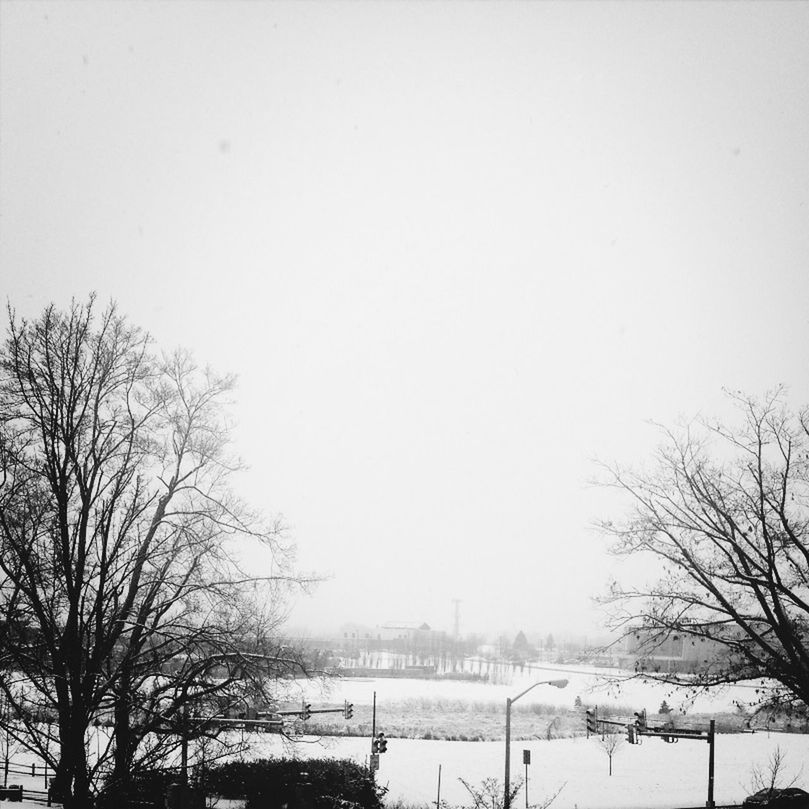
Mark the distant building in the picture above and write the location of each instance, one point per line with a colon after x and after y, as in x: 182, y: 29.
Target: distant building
x: 677, y: 652
x: 404, y: 631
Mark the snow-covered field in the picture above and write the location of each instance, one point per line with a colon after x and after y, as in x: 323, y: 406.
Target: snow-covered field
x: 604, y: 687
x: 651, y: 774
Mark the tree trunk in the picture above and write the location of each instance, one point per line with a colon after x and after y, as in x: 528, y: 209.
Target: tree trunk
x: 124, y: 751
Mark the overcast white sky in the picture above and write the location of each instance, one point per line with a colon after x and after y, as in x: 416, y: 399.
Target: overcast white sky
x: 452, y: 250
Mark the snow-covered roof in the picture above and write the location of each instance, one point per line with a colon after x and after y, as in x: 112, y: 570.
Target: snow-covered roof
x: 411, y: 625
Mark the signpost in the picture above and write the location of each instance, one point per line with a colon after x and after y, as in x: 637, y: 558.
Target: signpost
x: 526, y: 759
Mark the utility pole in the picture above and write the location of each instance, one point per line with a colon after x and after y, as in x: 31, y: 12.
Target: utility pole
x: 507, y: 784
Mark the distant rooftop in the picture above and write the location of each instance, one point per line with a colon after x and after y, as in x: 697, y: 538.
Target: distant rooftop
x: 406, y: 625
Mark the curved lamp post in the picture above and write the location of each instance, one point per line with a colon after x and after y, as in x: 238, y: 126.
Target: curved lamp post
x: 509, y: 702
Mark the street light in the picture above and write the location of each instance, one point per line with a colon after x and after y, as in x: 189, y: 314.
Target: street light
x: 509, y: 702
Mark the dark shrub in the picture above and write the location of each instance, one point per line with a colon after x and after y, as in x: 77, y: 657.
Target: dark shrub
x: 270, y: 783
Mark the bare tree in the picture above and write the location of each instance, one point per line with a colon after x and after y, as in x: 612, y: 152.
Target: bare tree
x: 773, y: 776
x: 725, y: 513
x: 611, y: 742
x: 124, y: 596
x: 489, y: 794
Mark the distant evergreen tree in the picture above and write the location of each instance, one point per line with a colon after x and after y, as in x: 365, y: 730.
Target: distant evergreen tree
x: 664, y: 708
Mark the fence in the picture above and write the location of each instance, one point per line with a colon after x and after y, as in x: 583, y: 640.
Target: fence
x: 25, y: 780
x: 29, y: 770
x: 17, y: 792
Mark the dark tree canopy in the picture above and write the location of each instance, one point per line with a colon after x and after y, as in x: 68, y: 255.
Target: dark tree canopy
x: 123, y: 596
x: 725, y: 512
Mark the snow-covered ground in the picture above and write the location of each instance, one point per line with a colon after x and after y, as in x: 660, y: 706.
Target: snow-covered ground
x: 651, y: 774
x: 604, y: 687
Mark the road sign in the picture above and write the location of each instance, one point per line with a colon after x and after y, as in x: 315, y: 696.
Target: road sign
x: 526, y: 756
x: 374, y: 761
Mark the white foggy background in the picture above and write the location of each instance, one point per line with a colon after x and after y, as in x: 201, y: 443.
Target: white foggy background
x: 453, y: 251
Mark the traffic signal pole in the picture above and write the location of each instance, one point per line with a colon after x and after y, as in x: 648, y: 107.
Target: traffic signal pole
x: 184, y: 757
x: 639, y: 729
x: 373, y: 724
x: 711, y: 733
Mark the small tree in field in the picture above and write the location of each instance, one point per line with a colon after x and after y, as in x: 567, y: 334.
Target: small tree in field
x: 611, y: 742
x: 121, y: 586
x: 773, y: 775
x: 725, y: 513
x: 489, y: 794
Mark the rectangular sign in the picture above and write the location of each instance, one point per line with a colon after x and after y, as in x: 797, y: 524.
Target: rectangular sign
x: 374, y: 761
x: 526, y: 756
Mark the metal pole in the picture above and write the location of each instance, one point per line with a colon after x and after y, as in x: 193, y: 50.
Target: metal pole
x: 526, y: 785
x: 711, y: 734
x: 507, y: 778
x: 438, y: 796
x: 183, y: 758
x: 509, y: 702
x: 373, y: 725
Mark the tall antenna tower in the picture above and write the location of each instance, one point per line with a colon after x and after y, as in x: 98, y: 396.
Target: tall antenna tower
x: 456, y: 627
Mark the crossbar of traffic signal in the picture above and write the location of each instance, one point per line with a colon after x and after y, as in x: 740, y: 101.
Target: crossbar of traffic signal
x: 611, y: 722
x: 679, y: 733
x: 269, y: 725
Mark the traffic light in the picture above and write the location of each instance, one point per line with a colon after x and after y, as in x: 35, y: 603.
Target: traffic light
x: 375, y: 746
x: 382, y: 743
x: 306, y: 711
x: 631, y: 734
x: 348, y: 711
x: 640, y: 721
x: 592, y: 721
